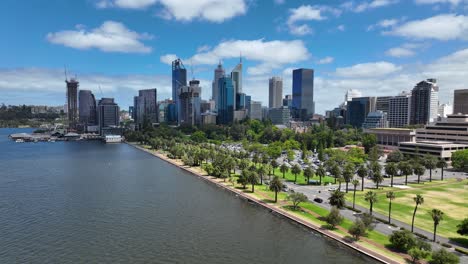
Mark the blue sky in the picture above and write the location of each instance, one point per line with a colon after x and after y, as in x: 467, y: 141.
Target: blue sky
x: 380, y: 47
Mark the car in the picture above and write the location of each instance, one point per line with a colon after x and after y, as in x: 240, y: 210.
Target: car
x: 285, y: 188
x: 318, y: 200
x: 332, y: 189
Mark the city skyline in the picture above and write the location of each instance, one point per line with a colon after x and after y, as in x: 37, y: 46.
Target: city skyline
x: 383, y: 52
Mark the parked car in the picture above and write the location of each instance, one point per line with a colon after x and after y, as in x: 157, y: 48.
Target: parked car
x: 318, y: 200
x: 332, y: 189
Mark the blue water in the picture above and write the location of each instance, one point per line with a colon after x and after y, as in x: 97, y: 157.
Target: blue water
x: 88, y: 202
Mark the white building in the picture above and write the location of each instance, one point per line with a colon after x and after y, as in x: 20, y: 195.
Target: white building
x: 275, y: 87
x: 399, y: 110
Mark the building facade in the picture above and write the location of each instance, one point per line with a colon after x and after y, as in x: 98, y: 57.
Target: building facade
x: 226, y: 101
x: 275, y: 95
x: 460, y: 101
x: 383, y: 103
x: 377, y: 119
x: 72, y: 102
x: 146, y: 105
x: 279, y: 116
x: 424, y: 102
x: 303, y: 105
x: 358, y: 109
x: 218, y: 73
x: 399, y: 108
x: 179, y: 78
x: 189, y: 98
x: 108, y: 114
x: 87, y: 109
x: 255, y: 110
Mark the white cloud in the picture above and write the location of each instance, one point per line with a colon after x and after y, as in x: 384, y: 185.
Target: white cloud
x: 341, y: 28
x: 168, y: 58
x: 326, y: 60
x: 385, y: 23
x: 371, y: 69
x: 367, y: 5
x: 111, y: 36
x: 270, y: 54
x: 300, y: 30
x: 307, y: 13
x: 405, y: 50
x: 183, y: 10
x: 452, y: 2
x: 440, y: 27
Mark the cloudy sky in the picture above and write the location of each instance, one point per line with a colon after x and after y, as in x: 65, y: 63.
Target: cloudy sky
x: 380, y: 47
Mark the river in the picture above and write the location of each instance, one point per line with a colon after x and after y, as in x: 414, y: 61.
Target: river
x: 88, y: 202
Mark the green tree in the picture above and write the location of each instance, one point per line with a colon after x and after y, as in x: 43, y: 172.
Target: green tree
x: 402, y: 240
x: 335, y: 170
x: 417, y: 254
x: 369, y: 141
x: 460, y: 159
x: 253, y: 179
x: 274, y: 165
x: 321, y: 173
x: 462, y: 228
x: 377, y: 178
x: 296, y: 198
x: 337, y: 198
x: 362, y: 172
x: 308, y: 172
x: 391, y: 170
x: 244, y: 178
x: 334, y: 218
x: 371, y: 198
x: 418, y: 199
x: 296, y: 170
x: 430, y: 162
x: 419, y: 170
x: 442, y: 164
x: 395, y: 156
x: 276, y: 185
x: 261, y: 172
x: 437, y: 216
x: 198, y: 136
x: 348, y: 174
x: 284, y: 168
x: 405, y: 168
x: 358, y: 229
x: 355, y: 183
x: 442, y: 256
x: 391, y: 196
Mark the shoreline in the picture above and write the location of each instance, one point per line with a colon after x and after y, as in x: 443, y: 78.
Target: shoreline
x: 273, y: 209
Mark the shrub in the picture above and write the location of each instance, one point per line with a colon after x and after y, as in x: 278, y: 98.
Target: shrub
x: 461, y: 250
x: 402, y: 240
x: 420, y: 235
x: 417, y: 254
x: 446, y: 245
x: 358, y: 229
x: 368, y: 221
x: 334, y: 218
x: 442, y: 256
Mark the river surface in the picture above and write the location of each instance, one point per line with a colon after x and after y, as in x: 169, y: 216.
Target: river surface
x: 88, y: 202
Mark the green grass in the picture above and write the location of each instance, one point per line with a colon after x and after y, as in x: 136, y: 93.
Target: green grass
x: 301, y: 180
x: 449, y: 196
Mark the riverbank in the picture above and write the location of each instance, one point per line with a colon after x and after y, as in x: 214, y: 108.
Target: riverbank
x: 367, y: 249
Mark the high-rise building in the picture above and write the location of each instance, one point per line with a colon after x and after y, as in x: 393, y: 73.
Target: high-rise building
x: 460, y: 101
x: 399, y: 108
x: 424, y: 102
x: 383, y: 103
x: 218, y: 73
x: 287, y: 100
x: 303, y: 104
x: 72, y: 102
x: 358, y: 109
x: 275, y: 85
x: 279, y: 116
x: 350, y: 94
x: 240, y: 101
x: 179, y: 78
x: 236, y: 76
x: 255, y: 111
x: 444, y: 110
x: 226, y: 101
x: 87, y: 109
x: 147, y: 107
x: 189, y: 98
x: 377, y: 119
x: 108, y: 114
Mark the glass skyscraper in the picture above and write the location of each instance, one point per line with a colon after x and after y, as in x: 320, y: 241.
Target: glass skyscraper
x: 303, y: 93
x: 179, y: 78
x: 226, y: 100
x: 87, y: 108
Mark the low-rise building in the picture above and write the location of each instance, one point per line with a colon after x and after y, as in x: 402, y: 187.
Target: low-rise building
x: 390, y: 138
x: 280, y: 116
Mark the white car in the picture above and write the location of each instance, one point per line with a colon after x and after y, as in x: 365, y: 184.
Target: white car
x: 332, y: 189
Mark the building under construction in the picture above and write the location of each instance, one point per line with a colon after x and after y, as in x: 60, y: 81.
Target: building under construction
x: 72, y: 102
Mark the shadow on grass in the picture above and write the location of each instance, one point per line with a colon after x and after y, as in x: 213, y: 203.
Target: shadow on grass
x: 460, y: 241
x: 268, y: 200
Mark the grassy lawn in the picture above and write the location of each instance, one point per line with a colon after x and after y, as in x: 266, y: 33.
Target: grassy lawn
x: 301, y: 180
x: 448, y: 196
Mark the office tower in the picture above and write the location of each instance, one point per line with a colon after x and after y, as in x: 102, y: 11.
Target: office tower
x: 287, y: 100
x: 147, y: 107
x: 226, y: 101
x: 275, y: 85
x: 87, y: 109
x: 279, y: 116
x: 240, y: 101
x: 303, y: 104
x: 424, y: 102
x: 350, y: 94
x: 255, y: 111
x: 130, y: 111
x: 460, y: 101
x: 236, y: 76
x: 179, y: 78
x: 72, y: 102
x: 189, y: 98
x: 248, y: 100
x: 108, y: 114
x: 382, y: 103
x: 218, y: 73
x: 377, y: 119
x: 358, y: 109
x: 399, y: 108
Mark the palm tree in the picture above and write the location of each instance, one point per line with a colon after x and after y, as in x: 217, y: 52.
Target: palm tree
x: 406, y: 169
x: 377, y: 178
x: 418, y: 199
x: 284, y: 168
x: 430, y: 163
x: 261, y: 171
x: 274, y: 164
x: 321, y: 173
x: 419, y: 170
x: 308, y: 172
x: 355, y: 183
x: 348, y: 174
x: 276, y: 185
x: 296, y: 170
x: 371, y: 197
x: 441, y: 164
x: 362, y: 172
x: 337, y: 198
x: 253, y: 179
x: 437, y: 216
x: 391, y: 196
x: 391, y: 170
x: 335, y: 170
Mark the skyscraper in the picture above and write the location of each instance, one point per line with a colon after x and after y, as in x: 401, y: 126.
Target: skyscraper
x: 72, y: 102
x: 108, y: 114
x: 179, y: 78
x: 87, y: 109
x: 189, y: 98
x: 275, y: 85
x: 226, y: 100
x: 382, y: 103
x: 460, y: 101
x: 218, y: 73
x: 399, y: 108
x: 303, y: 104
x: 147, y: 108
x: 358, y: 109
x: 424, y: 102
x: 236, y: 76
